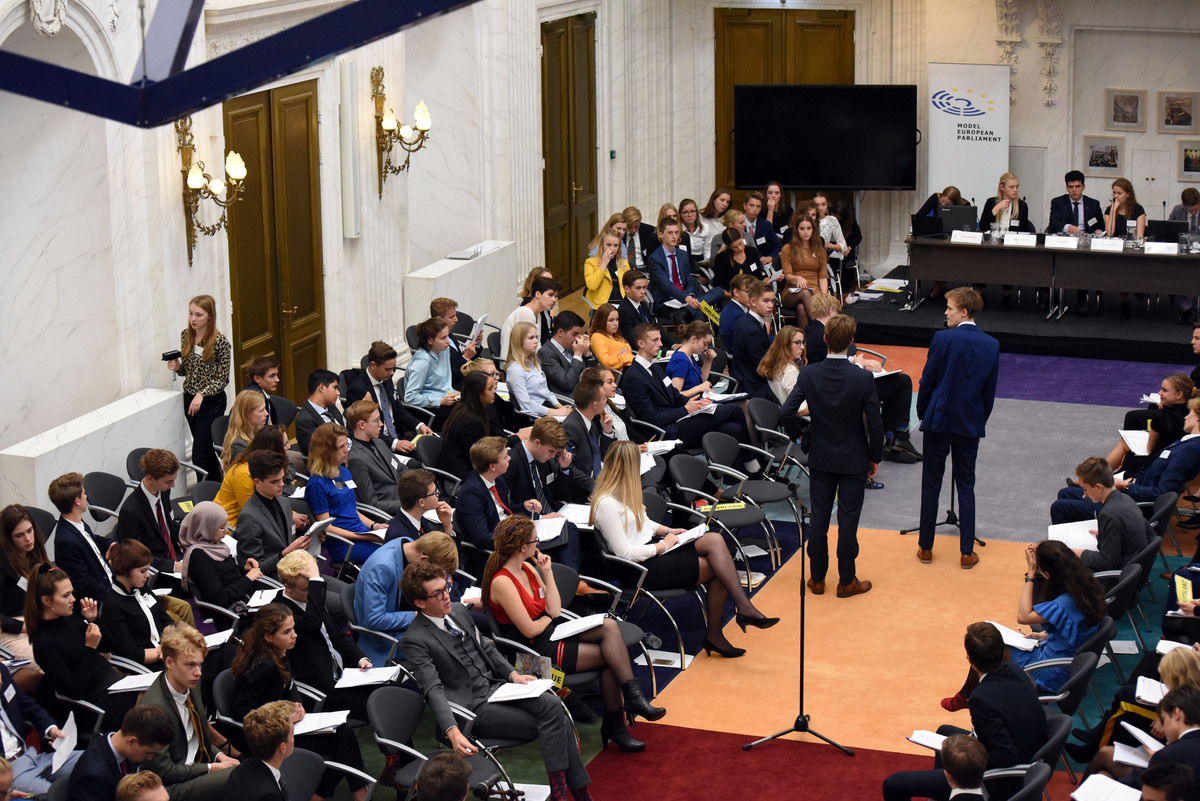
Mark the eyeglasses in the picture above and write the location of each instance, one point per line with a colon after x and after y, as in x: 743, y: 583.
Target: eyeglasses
x: 533, y: 541
x: 443, y: 593
x: 436, y: 492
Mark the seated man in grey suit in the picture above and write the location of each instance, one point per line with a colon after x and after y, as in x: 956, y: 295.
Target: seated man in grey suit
x: 320, y: 408
x: 373, y: 465
x: 567, y: 354
x: 265, y: 526
x: 589, y: 431
x: 453, y: 663
x: 1122, y: 531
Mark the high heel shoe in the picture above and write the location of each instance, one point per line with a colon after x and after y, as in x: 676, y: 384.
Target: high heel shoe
x: 728, y: 653
x: 756, y: 622
x: 636, y: 703
x: 613, y: 728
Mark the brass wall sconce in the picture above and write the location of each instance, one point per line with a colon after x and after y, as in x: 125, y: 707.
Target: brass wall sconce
x: 389, y: 133
x: 198, y: 185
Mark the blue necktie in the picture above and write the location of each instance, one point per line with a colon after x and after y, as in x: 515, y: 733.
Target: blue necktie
x: 385, y: 409
x: 596, y: 465
x: 453, y: 629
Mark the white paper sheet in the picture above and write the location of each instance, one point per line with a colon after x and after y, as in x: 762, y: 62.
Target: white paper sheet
x: 1014, y: 638
x: 928, y: 739
x: 1075, y: 535
x: 577, y: 513
x: 572, y: 627
x: 321, y: 721
x: 1102, y: 788
x: 353, y: 677
x: 261, y: 598
x: 218, y: 639
x: 135, y: 683
x: 517, y: 692
x: 549, y: 528
x: 63, y: 746
x: 1138, y: 441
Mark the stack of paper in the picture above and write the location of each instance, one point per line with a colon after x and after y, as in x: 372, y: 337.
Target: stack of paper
x: 1014, y: 638
x: 549, y: 528
x: 928, y: 739
x: 138, y: 682
x: 1076, y: 535
x: 1153, y: 397
x: 647, y: 463
x: 518, y: 692
x: 353, y: 677
x: 689, y: 536
x: 214, y: 641
x: 1149, y: 691
x: 577, y: 513
x: 315, y: 722
x: 577, y: 626
x: 1138, y: 441
x: 1166, y: 646
x: 1101, y: 788
x: 664, y: 446
x: 261, y: 598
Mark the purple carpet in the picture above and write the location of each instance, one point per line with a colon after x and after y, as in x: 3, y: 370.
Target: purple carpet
x: 1096, y: 382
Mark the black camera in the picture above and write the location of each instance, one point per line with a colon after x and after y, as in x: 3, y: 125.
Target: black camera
x: 171, y: 354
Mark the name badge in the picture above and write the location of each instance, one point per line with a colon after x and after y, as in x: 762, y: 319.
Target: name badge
x: 967, y: 237
x: 197, y: 350
x: 1164, y: 454
x: 1014, y: 223
x: 762, y: 240
x: 10, y: 692
x: 351, y: 485
x: 541, y: 592
x: 23, y: 583
x: 683, y: 247
x: 1092, y: 221
x: 550, y: 478
x: 784, y: 228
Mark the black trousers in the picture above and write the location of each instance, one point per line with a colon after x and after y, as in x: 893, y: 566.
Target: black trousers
x: 849, y: 489
x: 212, y: 407
x: 895, y: 396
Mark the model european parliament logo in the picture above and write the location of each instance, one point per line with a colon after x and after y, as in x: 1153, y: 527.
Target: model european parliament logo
x: 958, y: 103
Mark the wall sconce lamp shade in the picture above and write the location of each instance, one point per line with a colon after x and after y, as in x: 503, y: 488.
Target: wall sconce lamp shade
x: 389, y: 132
x: 199, y: 185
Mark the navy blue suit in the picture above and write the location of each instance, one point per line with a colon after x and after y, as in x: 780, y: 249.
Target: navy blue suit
x: 73, y: 555
x: 958, y: 389
x: 664, y: 289
x: 841, y: 396
x: 555, y: 489
x: 476, y: 510
x: 766, y: 240
x: 1062, y: 215
x: 751, y: 344
x: 660, y: 404
x: 730, y: 315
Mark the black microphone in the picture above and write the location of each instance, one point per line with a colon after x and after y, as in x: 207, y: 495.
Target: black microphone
x: 1164, y: 209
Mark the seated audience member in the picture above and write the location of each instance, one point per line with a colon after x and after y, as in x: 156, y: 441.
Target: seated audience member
x: 675, y: 289
x: 1164, y: 421
x: 263, y: 673
x: 950, y: 196
x: 427, y: 382
x: 195, y: 762
x: 31, y: 770
x: 1168, y: 782
x: 66, y: 646
x: 23, y: 548
x: 1171, y: 471
x: 589, y: 433
x: 526, y: 605
x: 445, y: 777
x: 377, y: 605
x: 263, y: 372
x: 1070, y: 608
x: 1075, y: 213
x: 525, y: 378
x: 1005, y: 714
x: 1122, y: 530
x: 329, y: 494
x: 539, y: 470
x: 614, y: 224
x: 697, y: 231
x: 620, y: 516
x: 132, y: 617
x: 733, y: 258
x: 739, y: 305
x: 142, y: 786
x: 210, y: 571
x: 474, y: 416
x: 1010, y: 213
x: 713, y: 211
x: 668, y: 210
x: 145, y: 730
x: 783, y: 361
x: 321, y: 407
x: 834, y: 239
x: 376, y: 384
x: 753, y: 338
x: 635, y: 309
x: 145, y: 515
x: 324, y: 647
x: 608, y: 346
x: 237, y: 487
x: 803, y: 260
x: 567, y: 353
x: 689, y: 366
x: 447, y: 309
x: 448, y: 670
x: 641, y: 238
x: 662, y: 405
x: 895, y: 391
x: 602, y: 272
x: 545, y: 321
x: 248, y: 416
x: 1188, y: 210
x: 270, y: 738
x: 543, y: 296
x: 759, y: 233
x: 77, y: 550
x: 418, y: 492
x: 614, y: 404
x: 483, y: 500
x: 775, y: 209
x: 962, y: 760
x: 266, y: 530
x: 372, y: 465
x: 1180, y: 714
x: 843, y: 212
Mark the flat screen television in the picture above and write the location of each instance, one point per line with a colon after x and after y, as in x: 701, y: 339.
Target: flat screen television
x: 825, y: 137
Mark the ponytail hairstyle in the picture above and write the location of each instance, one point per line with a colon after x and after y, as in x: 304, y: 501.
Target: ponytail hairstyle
x: 510, y: 537
x: 269, y: 620
x: 43, y: 584
x: 696, y: 329
x: 1066, y: 573
x: 1182, y: 383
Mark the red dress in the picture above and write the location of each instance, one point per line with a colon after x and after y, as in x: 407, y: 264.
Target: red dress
x: 563, y: 653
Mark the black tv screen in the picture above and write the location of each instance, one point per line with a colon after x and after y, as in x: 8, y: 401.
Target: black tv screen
x: 825, y: 137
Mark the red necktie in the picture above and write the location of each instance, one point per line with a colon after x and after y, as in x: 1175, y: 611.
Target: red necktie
x: 500, y: 503
x: 124, y: 767
x: 675, y: 273
x: 162, y: 527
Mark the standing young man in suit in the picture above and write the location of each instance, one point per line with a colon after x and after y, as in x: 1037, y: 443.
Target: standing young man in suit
x: 372, y: 464
x: 453, y: 663
x: 843, y: 455
x: 144, y: 732
x: 77, y: 550
x: 321, y: 407
x: 635, y: 309
x: 265, y: 526
x: 375, y: 384
x: 1072, y: 214
x: 270, y: 736
x: 670, y: 272
x: 958, y: 389
x: 264, y: 379
x: 567, y: 354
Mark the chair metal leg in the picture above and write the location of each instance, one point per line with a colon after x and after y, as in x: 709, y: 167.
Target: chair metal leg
x: 1083, y: 718
x: 1096, y: 698
x: 1137, y: 634
x: 678, y: 633
x: 1145, y: 622
x: 1070, y: 771
x: 1112, y: 658
x: 653, y: 675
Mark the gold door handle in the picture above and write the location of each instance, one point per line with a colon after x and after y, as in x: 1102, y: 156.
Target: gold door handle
x: 575, y: 189
x: 291, y: 311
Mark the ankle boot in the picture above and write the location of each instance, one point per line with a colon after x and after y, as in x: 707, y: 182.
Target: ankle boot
x: 636, y: 703
x: 613, y: 728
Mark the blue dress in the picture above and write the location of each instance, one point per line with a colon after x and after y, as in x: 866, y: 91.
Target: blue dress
x: 333, y: 497
x: 683, y: 366
x: 1068, y: 629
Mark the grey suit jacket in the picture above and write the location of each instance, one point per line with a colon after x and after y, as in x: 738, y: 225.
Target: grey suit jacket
x: 307, y: 421
x: 1179, y: 213
x: 168, y: 763
x: 582, y: 479
x: 259, y: 536
x: 447, y: 670
x: 374, y: 476
x: 562, y: 369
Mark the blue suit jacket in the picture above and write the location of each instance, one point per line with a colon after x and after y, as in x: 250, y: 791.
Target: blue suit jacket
x: 751, y: 345
x: 74, y: 556
x: 1061, y: 216
x: 958, y: 386
x: 729, y: 320
x: 651, y: 400
x: 660, y: 278
x: 1174, y: 467
x: 377, y: 601
x: 766, y: 240
x: 476, y: 511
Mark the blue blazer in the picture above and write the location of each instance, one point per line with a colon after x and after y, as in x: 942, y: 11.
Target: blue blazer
x: 74, y: 556
x: 766, y: 240
x: 729, y: 320
x: 651, y: 400
x: 476, y: 510
x: 660, y: 278
x: 751, y: 345
x: 958, y: 386
x: 1061, y: 216
x: 1174, y: 467
x: 377, y: 601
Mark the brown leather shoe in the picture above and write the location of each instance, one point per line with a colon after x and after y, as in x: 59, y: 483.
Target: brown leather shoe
x: 969, y: 560
x: 925, y: 555
x: 817, y: 587
x: 857, y: 588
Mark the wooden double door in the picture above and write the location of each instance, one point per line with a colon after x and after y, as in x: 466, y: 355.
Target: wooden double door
x: 275, y: 261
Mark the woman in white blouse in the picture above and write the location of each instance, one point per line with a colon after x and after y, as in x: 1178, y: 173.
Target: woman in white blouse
x: 713, y: 211
x: 620, y: 516
x: 781, y: 366
x: 524, y: 377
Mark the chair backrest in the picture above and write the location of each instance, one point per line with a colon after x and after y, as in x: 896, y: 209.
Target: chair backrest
x: 1083, y: 665
x: 302, y: 772
x: 494, y: 348
x: 1145, y: 558
x: 285, y: 410
x: 1164, y: 507
x: 133, y: 464
x: 58, y: 790
x: 106, y: 490
x: 429, y: 450
x: 345, y: 379
x: 764, y: 412
x: 464, y: 325
x: 689, y: 473
x: 45, y: 521
x: 720, y: 448
x: 348, y: 602
x: 224, y: 692
x: 205, y: 491
x: 566, y: 580
x: 410, y: 336
x: 1034, y: 783
x: 219, y: 428
x: 656, y: 507
x: 1105, y: 631
x: 394, y: 714
x: 1120, y: 595
x: 1058, y: 726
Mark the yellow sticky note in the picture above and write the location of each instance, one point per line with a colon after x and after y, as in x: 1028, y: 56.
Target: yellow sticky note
x: 186, y: 506
x: 1183, y: 589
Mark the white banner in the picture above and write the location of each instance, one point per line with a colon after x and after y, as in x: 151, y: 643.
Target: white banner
x: 968, y: 128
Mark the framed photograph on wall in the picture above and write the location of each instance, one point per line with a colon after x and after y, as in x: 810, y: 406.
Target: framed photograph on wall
x: 1177, y: 112
x: 1124, y: 109
x: 1188, y: 151
x: 1104, y: 156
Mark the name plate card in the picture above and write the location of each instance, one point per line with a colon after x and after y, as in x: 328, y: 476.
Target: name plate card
x: 967, y: 237
x: 1013, y: 239
x: 1162, y: 249
x: 1062, y: 242
x: 1108, y: 245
